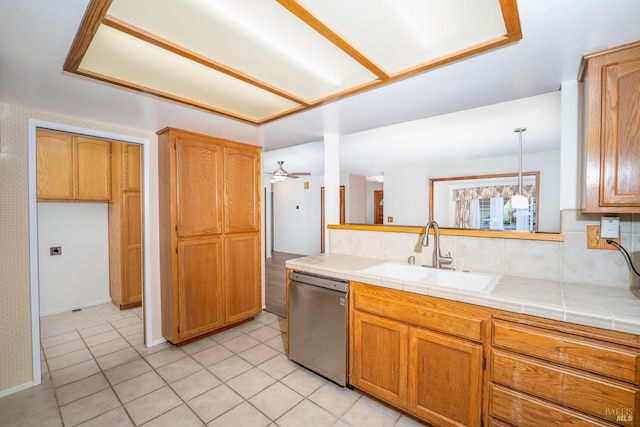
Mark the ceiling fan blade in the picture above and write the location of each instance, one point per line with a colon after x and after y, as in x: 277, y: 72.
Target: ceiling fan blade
x: 299, y: 173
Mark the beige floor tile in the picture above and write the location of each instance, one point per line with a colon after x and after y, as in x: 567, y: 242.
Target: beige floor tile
x: 60, y: 339
x: 198, y: 346
x: 74, y: 373
x: 179, y: 369
x: 43, y: 419
x: 69, y: 359
x: 127, y: 371
x: 135, y: 339
x: 126, y: 321
x: 181, y: 416
x: 95, y: 330
x: 278, y: 367
x: 275, y: 400
x: 245, y: 328
x: 138, y: 386
x: 259, y: 354
x: 27, y: 404
x: 89, y: 407
x: 109, y: 347
x: 152, y: 405
x: 58, y: 328
x: 212, y: 355
x: 267, y: 318
x: 250, y: 383
x: 65, y: 348
x: 195, y: 384
x: 215, y: 402
x: 405, y: 421
x: 303, y: 381
x: 227, y: 335
x: 240, y: 344
x: 368, y: 412
x: 115, y: 418
x: 131, y: 330
x: 335, y: 399
x: 282, y: 325
x: 265, y: 333
x: 117, y: 358
x: 146, y: 351
x: 79, y: 389
x: 243, y: 415
x: 165, y: 357
x: 231, y: 367
x: 308, y: 414
x: 101, y: 338
x: 278, y: 343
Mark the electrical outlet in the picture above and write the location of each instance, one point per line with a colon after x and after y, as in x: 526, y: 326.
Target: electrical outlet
x: 596, y: 241
x: 389, y: 219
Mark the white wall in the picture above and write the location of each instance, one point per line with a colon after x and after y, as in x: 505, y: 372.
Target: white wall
x: 80, y: 276
x: 357, y: 199
x: 406, y: 196
x: 296, y: 215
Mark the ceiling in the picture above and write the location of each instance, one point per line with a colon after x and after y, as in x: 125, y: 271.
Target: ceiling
x: 36, y: 36
x: 258, y: 61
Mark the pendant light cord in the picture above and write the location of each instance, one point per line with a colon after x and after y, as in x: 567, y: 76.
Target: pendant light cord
x: 624, y: 251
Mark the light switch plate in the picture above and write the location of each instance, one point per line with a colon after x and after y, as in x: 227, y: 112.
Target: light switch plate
x: 596, y: 241
x: 609, y: 227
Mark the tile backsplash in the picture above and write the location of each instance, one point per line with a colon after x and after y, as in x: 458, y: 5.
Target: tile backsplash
x: 569, y: 261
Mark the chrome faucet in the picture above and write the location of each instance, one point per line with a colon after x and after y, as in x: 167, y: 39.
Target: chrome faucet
x: 437, y: 260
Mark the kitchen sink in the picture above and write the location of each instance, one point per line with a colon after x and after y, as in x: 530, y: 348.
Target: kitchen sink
x: 417, y: 275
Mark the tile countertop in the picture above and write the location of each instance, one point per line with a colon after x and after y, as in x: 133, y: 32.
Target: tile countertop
x: 599, y: 306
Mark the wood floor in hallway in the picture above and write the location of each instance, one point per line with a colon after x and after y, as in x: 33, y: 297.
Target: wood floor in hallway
x: 275, y: 282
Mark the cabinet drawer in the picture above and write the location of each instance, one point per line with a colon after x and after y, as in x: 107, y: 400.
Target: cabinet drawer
x: 607, y: 359
x: 431, y: 313
x: 581, y: 391
x: 522, y: 410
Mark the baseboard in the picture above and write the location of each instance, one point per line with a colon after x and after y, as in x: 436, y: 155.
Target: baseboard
x: 68, y: 309
x: 15, y: 389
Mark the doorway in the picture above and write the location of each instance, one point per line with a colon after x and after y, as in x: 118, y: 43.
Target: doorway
x: 322, y: 221
x: 33, y: 231
x: 378, y: 206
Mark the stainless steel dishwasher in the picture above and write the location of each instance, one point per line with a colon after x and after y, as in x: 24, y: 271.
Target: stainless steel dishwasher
x: 318, y: 324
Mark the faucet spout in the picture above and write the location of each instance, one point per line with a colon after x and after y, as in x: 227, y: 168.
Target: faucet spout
x: 437, y: 259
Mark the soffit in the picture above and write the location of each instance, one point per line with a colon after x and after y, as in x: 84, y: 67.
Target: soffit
x: 257, y: 61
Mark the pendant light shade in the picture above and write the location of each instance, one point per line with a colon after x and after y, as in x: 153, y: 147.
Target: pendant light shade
x: 519, y: 201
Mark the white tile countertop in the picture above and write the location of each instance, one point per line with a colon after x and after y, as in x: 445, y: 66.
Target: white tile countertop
x: 599, y: 306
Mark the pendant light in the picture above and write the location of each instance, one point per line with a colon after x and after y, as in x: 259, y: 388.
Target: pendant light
x: 519, y: 201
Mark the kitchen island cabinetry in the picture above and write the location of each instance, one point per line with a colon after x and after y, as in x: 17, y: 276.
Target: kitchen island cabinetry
x: 72, y: 167
x: 209, y: 222
x: 612, y: 129
x: 421, y: 354
x: 550, y: 373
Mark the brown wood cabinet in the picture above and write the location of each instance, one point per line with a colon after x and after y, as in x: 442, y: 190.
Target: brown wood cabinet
x: 546, y: 373
x: 209, y: 233
x: 611, y: 114
x: 125, y: 226
x: 72, y: 167
x: 411, y: 353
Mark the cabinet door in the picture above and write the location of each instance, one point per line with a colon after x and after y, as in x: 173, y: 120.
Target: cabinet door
x: 621, y: 135
x: 132, y: 167
x: 243, y: 287
x: 92, y: 173
x: 241, y: 188
x: 200, y: 303
x: 54, y: 170
x: 445, y: 379
x: 132, y: 245
x: 379, y: 356
x: 198, y: 187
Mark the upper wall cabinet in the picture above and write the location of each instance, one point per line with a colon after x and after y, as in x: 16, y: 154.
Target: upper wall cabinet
x: 72, y: 167
x: 611, y: 113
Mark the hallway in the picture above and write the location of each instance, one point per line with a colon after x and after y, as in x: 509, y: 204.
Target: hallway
x: 275, y: 282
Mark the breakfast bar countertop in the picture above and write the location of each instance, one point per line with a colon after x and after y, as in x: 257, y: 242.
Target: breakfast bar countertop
x: 598, y: 306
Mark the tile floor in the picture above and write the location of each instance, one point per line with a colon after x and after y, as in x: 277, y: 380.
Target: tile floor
x: 97, y: 372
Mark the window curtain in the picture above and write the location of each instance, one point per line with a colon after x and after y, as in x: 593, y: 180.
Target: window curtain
x: 468, y: 211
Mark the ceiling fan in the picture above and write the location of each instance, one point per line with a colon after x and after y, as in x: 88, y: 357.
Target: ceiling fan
x: 280, y: 174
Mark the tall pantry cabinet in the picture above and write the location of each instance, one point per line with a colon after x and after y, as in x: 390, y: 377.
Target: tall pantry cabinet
x: 209, y: 197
